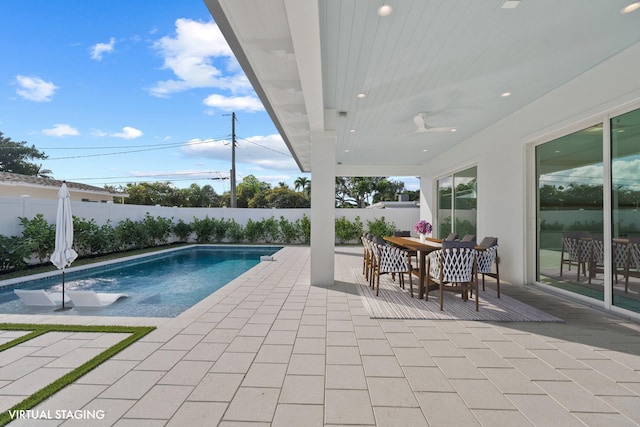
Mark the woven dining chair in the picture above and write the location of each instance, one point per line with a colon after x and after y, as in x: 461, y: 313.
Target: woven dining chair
x: 576, y: 250
x: 453, y: 268
x: 487, y: 254
x: 393, y: 260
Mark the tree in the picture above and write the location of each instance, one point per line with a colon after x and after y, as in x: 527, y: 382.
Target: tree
x: 303, y: 184
x: 357, y: 191
x: 248, y: 188
x: 154, y: 193
x: 387, y: 190
x: 201, y: 197
x: 280, y: 197
x: 15, y: 158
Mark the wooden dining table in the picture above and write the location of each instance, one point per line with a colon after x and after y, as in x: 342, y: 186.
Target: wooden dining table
x: 422, y: 249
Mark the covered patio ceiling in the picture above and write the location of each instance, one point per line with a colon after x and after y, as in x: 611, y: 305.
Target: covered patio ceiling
x: 329, y: 65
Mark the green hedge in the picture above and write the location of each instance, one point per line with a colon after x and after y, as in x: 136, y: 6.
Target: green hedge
x: 90, y: 239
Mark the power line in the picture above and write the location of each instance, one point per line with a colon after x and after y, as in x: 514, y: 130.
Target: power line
x: 265, y: 147
x: 169, y: 144
x: 82, y: 156
x: 154, y: 175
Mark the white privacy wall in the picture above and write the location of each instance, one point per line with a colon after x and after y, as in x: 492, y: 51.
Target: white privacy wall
x: 11, y: 208
x: 503, y: 155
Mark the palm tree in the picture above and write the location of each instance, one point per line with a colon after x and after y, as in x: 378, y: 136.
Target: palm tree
x: 43, y: 173
x: 304, y: 184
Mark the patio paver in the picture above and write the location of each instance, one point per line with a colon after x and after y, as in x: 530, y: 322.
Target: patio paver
x: 269, y: 349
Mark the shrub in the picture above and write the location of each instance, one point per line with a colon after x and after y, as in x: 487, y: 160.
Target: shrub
x: 288, y: 230
x: 304, y: 226
x: 253, y: 231
x: 106, y: 241
x: 130, y: 233
x: 182, y: 230
x: 13, y: 251
x: 347, y: 231
x: 41, y: 236
x: 89, y: 238
x: 219, y: 229
x: 380, y: 228
x: 203, y: 229
x: 270, y: 230
x: 157, y: 229
x: 235, y: 231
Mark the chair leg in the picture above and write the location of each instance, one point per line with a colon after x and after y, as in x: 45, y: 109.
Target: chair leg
x: 477, y: 296
x: 410, y: 282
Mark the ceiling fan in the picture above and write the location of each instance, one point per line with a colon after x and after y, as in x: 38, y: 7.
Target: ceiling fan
x: 420, y: 121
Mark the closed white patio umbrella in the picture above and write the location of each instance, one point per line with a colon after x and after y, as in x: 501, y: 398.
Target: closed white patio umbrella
x: 63, y: 254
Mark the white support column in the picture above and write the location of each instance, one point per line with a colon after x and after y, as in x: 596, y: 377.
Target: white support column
x: 323, y: 167
x: 427, y: 200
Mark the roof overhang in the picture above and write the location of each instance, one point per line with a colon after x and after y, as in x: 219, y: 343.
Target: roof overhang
x: 308, y: 61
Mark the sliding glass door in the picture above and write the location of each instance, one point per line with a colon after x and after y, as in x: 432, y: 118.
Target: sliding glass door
x: 569, y: 210
x: 625, y: 216
x: 573, y: 253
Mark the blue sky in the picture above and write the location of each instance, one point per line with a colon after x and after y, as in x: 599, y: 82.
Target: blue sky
x: 152, y: 80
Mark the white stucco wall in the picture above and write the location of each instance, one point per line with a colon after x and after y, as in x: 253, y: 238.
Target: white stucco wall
x: 13, y: 207
x: 503, y: 155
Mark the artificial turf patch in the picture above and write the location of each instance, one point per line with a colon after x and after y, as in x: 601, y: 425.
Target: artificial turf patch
x: 136, y: 332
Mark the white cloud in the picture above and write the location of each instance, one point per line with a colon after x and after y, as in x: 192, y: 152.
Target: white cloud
x: 190, y: 174
x: 199, y: 57
x: 268, y: 152
x: 626, y: 172
x: 97, y: 133
x: 35, y: 89
x: 99, y: 49
x: 127, y: 133
x: 61, y: 129
x: 233, y: 103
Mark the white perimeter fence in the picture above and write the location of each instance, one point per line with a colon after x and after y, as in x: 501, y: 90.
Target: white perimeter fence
x: 11, y: 208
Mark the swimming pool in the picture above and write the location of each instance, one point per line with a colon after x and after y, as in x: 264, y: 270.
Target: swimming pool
x: 161, y: 285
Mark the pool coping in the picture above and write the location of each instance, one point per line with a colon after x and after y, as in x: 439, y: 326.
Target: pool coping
x: 48, y: 274
x: 188, y: 313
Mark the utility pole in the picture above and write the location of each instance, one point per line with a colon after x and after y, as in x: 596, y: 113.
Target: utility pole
x: 234, y: 203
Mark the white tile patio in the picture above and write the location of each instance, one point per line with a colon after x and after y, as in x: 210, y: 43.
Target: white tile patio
x: 269, y: 349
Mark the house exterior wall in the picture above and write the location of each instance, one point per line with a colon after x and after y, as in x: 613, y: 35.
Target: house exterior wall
x: 503, y: 155
x: 51, y: 193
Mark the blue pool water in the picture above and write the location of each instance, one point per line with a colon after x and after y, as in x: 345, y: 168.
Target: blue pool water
x: 158, y: 286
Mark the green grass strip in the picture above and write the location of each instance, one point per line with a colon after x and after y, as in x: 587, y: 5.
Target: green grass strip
x: 136, y: 332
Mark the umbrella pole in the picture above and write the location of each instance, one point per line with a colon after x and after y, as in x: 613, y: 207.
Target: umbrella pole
x: 63, y: 307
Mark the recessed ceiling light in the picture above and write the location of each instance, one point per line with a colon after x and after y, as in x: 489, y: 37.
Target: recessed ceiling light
x: 362, y: 95
x: 352, y: 130
x: 454, y: 130
x: 505, y: 94
x: 424, y: 151
x: 631, y: 7
x: 385, y: 10
x: 511, y: 4
x: 346, y: 151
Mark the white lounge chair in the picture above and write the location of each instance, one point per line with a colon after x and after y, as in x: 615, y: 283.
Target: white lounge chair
x: 82, y: 299
x: 40, y: 298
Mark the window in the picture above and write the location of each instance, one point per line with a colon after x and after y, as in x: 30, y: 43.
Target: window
x: 457, y: 203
